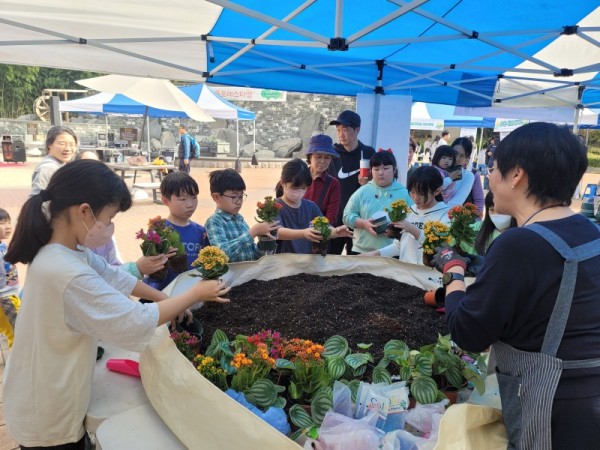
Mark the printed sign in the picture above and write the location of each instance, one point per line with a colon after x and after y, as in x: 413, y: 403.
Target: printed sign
x: 250, y: 94
x: 508, y: 124
x: 428, y: 124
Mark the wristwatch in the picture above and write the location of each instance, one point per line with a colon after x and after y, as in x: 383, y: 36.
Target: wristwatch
x: 449, y: 277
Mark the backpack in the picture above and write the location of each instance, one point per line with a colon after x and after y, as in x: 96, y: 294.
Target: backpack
x: 194, y: 148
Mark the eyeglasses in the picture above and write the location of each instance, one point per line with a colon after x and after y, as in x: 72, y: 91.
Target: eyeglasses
x: 236, y: 198
x: 66, y: 144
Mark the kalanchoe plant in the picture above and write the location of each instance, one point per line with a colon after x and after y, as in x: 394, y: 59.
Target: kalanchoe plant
x: 321, y: 224
x: 155, y: 242
x: 397, y: 212
x: 186, y: 343
x: 436, y: 233
x: 461, y: 220
x: 268, y: 210
x: 211, y: 263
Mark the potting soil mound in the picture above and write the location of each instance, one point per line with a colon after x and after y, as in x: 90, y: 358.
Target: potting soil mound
x: 363, y: 308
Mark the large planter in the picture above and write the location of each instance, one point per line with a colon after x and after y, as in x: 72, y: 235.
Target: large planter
x: 184, y: 399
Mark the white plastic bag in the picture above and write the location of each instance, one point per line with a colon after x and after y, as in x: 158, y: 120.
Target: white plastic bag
x: 421, y: 416
x: 339, y: 432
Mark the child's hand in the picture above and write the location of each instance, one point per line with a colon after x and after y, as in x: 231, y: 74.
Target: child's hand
x: 310, y: 234
x: 264, y: 228
x: 363, y: 180
x: 211, y: 291
x: 407, y: 226
x: 367, y: 225
x: 150, y: 264
x: 185, y: 316
x: 341, y: 231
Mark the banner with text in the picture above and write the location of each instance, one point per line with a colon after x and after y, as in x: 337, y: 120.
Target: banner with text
x: 250, y: 94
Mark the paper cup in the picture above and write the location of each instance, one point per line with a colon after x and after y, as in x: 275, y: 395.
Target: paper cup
x: 365, y: 167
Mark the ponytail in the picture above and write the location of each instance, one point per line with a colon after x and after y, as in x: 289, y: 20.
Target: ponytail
x: 75, y: 183
x: 32, y: 232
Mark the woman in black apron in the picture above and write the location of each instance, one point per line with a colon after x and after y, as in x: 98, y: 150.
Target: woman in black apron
x: 536, y: 300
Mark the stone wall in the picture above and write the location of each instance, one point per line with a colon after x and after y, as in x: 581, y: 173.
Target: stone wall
x: 283, y: 129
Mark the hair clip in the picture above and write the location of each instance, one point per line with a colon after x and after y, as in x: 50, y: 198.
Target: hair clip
x: 389, y: 150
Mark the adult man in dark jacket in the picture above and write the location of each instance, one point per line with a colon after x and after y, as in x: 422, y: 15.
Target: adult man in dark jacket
x: 346, y: 168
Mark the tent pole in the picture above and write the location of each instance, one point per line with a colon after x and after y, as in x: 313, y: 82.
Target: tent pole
x: 148, y: 136
x: 237, y: 135
x: 254, y: 135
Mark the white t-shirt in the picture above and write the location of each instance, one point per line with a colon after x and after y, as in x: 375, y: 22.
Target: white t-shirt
x: 407, y: 248
x: 70, y: 298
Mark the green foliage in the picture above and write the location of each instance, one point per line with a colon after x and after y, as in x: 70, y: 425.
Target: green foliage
x: 21, y: 85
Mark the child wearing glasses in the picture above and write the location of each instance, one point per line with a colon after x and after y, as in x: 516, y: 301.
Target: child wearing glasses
x: 226, y: 228
x: 179, y: 193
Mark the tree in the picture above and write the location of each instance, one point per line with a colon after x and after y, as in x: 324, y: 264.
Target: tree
x: 21, y: 85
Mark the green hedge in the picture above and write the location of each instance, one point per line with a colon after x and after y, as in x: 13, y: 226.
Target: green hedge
x: 594, y: 157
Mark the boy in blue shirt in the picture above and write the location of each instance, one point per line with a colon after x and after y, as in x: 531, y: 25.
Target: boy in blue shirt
x: 226, y: 228
x: 180, y: 194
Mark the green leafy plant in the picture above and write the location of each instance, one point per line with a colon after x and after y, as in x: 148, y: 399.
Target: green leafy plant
x: 397, y: 211
x: 442, y: 360
x: 462, y: 219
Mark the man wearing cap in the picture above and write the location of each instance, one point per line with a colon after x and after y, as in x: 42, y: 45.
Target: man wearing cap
x: 346, y: 168
x: 325, y: 189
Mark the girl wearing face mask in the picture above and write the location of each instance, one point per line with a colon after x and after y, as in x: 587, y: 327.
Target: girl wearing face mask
x: 71, y: 298
x: 296, y: 213
x: 490, y: 227
x: 425, y: 187
x: 367, y: 205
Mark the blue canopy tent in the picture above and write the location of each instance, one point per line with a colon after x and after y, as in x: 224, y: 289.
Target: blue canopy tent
x: 215, y: 105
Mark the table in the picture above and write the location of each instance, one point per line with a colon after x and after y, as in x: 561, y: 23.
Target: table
x: 153, y: 185
x: 120, y: 414
x: 149, y: 168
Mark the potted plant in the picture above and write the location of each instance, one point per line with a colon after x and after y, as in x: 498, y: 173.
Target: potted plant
x: 462, y: 219
x: 436, y: 233
x: 321, y: 224
x: 177, y: 262
x: 211, y: 263
x: 155, y: 242
x: 397, y: 212
x: 267, y: 211
x: 430, y: 371
x: 186, y: 343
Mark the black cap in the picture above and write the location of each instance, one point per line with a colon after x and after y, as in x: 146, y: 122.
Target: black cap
x: 348, y: 118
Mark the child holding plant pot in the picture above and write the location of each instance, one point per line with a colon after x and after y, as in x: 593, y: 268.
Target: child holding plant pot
x: 180, y: 194
x: 227, y: 228
x: 424, y: 186
x: 366, y: 208
x: 71, y: 298
x: 296, y: 234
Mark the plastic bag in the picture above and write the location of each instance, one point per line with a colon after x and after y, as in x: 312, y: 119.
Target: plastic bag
x: 273, y: 416
x: 388, y: 401
x: 421, y: 416
x: 339, y: 432
x: 342, y: 399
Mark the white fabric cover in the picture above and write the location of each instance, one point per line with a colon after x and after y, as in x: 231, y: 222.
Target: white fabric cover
x: 197, y: 412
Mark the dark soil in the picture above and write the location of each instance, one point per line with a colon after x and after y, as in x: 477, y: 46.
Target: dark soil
x: 361, y: 307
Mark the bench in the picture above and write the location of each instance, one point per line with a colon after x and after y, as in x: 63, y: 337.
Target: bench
x: 154, y: 186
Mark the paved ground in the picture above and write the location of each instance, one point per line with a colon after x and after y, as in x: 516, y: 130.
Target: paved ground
x: 15, y: 182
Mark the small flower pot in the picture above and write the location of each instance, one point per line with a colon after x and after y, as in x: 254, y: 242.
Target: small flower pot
x: 178, y: 263
x: 427, y: 260
x: 319, y: 248
x: 381, y: 224
x: 159, y: 275
x: 392, y: 232
x: 194, y: 328
x: 267, y: 245
x: 435, y: 298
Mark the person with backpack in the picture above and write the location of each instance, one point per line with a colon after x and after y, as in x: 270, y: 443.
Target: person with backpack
x: 188, y: 148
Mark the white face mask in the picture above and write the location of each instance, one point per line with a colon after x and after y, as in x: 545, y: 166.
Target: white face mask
x: 500, y: 221
x: 99, y: 234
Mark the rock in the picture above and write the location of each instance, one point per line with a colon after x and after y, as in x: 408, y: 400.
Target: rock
x: 248, y: 150
x: 265, y: 154
x: 155, y: 144
x: 285, y: 147
x: 155, y: 129
x: 230, y: 136
x: 309, y: 126
x: 168, y: 140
